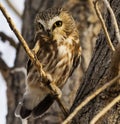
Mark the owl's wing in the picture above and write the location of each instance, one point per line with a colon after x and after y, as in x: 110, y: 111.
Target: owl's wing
x: 29, y: 65
x: 35, y: 50
x: 76, y: 60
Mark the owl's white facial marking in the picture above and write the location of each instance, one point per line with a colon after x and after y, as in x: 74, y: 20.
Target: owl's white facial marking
x: 49, y: 24
x: 42, y: 22
x: 52, y: 21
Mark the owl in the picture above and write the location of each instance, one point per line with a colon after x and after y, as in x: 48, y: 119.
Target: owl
x: 57, y: 47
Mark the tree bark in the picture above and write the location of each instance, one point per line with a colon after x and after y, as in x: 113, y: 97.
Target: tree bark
x: 99, y: 72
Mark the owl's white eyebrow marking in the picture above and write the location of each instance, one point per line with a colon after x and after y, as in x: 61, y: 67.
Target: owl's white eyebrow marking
x: 42, y: 22
x: 49, y: 24
x: 53, y: 20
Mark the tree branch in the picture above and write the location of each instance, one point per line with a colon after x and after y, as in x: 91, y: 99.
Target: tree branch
x: 51, y: 85
x: 89, y: 98
x: 5, y: 37
x: 114, y: 21
x: 23, y: 42
x: 115, y: 62
x: 103, y: 25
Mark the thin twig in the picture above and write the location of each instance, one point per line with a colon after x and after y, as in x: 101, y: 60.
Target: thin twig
x: 103, y: 25
x: 114, y: 21
x: 21, y: 39
x: 13, y: 8
x: 89, y: 98
x: 105, y: 109
x: 31, y: 55
x: 5, y: 37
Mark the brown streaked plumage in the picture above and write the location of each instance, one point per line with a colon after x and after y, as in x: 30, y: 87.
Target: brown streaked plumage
x: 57, y: 47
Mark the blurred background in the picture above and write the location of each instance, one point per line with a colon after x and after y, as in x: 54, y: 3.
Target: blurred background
x: 7, y: 52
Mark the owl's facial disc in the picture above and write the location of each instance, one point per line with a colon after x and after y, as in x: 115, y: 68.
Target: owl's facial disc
x: 51, y: 26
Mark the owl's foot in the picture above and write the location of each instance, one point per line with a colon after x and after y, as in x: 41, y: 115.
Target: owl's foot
x: 55, y: 90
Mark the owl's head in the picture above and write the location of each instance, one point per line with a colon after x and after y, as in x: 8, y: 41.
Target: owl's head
x: 56, y: 22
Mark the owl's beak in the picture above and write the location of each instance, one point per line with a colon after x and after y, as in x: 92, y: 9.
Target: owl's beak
x: 49, y: 32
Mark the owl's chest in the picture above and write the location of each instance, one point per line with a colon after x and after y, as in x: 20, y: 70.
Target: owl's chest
x: 57, y: 61
x: 53, y: 52
x: 54, y: 57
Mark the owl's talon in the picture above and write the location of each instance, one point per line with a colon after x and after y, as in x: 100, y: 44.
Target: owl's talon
x: 56, y: 91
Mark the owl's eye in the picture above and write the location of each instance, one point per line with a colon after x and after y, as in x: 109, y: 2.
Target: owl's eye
x: 57, y: 24
x: 41, y: 26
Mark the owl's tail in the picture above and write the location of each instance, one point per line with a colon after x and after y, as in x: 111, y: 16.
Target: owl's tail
x: 23, y: 113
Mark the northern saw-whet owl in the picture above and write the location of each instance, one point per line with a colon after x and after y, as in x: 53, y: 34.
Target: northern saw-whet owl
x: 57, y: 47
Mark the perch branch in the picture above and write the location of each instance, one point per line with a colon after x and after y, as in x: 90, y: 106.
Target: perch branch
x: 23, y: 42
x: 89, y: 98
x: 33, y: 58
x: 13, y: 8
x: 103, y: 25
x: 114, y: 21
x: 5, y: 37
x: 105, y: 109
